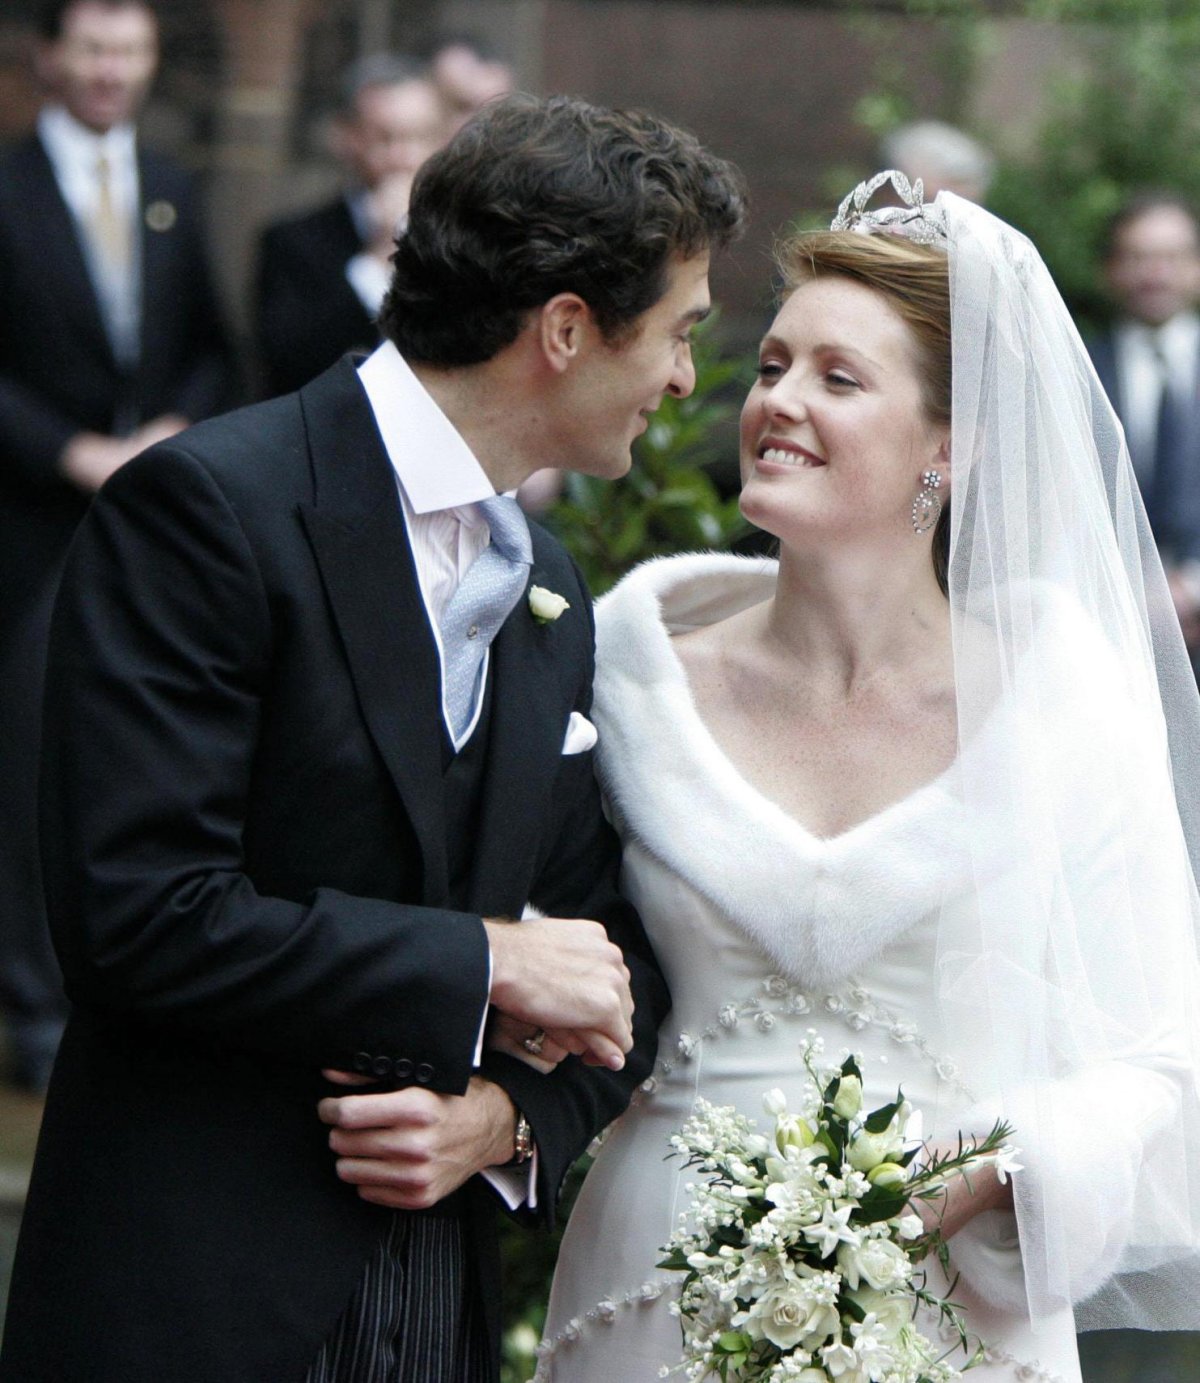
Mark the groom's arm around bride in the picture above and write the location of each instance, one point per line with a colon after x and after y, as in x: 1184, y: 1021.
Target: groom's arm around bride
x: 306, y: 744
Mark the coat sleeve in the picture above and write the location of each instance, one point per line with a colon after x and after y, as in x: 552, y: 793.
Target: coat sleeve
x: 159, y: 657
x: 578, y: 877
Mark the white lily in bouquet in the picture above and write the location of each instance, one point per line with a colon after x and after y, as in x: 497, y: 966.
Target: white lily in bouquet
x: 802, y: 1247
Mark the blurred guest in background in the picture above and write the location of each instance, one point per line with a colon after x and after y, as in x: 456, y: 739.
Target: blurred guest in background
x: 1149, y: 364
x: 110, y: 339
x: 942, y: 156
x: 323, y: 274
x: 469, y: 73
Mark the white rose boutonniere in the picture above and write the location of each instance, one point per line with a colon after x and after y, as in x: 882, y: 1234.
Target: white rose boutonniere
x: 546, y: 605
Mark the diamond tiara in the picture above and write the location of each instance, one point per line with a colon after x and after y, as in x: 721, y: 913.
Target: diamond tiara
x: 923, y: 223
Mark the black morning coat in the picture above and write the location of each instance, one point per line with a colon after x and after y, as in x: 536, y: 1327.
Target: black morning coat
x: 246, y: 870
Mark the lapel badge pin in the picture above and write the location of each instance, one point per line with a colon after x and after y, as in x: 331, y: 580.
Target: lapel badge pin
x: 161, y: 216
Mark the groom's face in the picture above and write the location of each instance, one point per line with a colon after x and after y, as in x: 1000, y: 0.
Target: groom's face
x: 617, y: 386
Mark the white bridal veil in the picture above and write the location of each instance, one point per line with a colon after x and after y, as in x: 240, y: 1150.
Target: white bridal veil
x: 1071, y: 968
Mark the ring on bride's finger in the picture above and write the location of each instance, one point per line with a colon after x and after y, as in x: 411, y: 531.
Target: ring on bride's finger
x: 533, y: 1045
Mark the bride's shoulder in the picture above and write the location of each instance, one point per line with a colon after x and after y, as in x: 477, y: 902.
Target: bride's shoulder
x: 674, y: 596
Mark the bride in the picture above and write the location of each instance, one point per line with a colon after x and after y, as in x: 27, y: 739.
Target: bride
x: 920, y: 785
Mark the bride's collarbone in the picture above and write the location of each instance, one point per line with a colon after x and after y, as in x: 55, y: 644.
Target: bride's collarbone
x: 830, y: 761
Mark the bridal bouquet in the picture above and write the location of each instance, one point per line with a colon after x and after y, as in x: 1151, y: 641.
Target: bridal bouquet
x: 802, y: 1247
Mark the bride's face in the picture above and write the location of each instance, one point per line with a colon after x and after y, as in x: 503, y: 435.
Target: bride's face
x: 835, y: 435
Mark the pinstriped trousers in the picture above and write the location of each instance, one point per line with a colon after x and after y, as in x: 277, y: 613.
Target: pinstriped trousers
x: 414, y: 1317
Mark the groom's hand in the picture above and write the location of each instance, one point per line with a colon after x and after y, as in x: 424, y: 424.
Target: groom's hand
x: 564, y: 975
x: 409, y: 1149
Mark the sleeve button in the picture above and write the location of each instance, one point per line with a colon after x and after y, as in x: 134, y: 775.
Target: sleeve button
x: 382, y: 1066
x: 404, y: 1068
x: 424, y: 1073
x: 362, y: 1063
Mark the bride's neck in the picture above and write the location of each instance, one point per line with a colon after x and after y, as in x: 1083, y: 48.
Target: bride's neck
x: 850, y: 616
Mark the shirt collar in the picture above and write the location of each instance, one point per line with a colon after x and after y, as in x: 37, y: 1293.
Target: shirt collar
x: 68, y: 140
x: 431, y: 460
x: 1182, y: 329
x: 1179, y: 336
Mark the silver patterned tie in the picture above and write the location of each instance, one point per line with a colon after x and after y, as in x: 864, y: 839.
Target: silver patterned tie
x: 475, y: 611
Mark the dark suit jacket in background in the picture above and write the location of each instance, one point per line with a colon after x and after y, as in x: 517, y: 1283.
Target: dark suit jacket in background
x: 246, y: 863
x: 308, y: 314
x: 58, y: 373
x: 59, y: 376
x: 1174, y: 513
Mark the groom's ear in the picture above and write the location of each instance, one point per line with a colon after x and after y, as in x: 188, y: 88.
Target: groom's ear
x: 564, y: 324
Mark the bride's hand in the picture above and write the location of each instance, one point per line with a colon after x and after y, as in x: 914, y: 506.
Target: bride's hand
x: 964, y: 1197
x: 506, y: 1034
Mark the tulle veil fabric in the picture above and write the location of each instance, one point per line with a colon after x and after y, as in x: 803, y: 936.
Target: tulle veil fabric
x: 1072, y: 965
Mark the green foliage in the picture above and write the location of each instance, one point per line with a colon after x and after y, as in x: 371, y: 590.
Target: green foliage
x: 668, y: 502
x: 1129, y: 121
x: 1124, y: 117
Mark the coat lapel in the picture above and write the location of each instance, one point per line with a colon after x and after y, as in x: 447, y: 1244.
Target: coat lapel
x: 529, y: 719
x: 356, y: 528
x: 59, y: 233
x: 158, y: 233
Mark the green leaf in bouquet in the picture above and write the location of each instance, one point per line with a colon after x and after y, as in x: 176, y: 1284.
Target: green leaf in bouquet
x: 735, y: 1342
x: 880, y: 1203
x: 879, y: 1119
x: 826, y: 1140
x: 726, y: 1236
x: 847, y: 1306
x: 675, y: 1261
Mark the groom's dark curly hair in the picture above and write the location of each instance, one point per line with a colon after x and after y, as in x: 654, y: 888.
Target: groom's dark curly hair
x: 538, y: 197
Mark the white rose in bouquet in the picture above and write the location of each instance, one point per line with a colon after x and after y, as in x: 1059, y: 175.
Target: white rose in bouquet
x: 877, y: 1262
x: 782, y: 1316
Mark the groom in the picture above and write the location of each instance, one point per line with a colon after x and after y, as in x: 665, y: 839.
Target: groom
x: 293, y: 788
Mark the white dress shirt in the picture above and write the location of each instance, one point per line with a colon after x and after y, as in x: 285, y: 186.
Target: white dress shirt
x: 1139, y: 350
x: 74, y: 152
x: 368, y: 275
x: 440, y: 482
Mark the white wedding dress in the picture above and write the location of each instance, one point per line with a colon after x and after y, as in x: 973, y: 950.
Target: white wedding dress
x: 764, y: 931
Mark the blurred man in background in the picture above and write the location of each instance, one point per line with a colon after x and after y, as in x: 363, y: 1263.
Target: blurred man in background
x: 110, y: 339
x: 1149, y: 363
x: 468, y: 73
x: 323, y: 274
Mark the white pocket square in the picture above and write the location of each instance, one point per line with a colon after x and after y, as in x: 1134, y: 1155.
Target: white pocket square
x: 581, y: 734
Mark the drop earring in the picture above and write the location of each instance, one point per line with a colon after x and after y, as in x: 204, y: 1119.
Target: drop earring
x: 927, y: 507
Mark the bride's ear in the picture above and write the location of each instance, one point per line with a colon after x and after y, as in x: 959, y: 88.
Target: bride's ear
x: 943, y: 458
